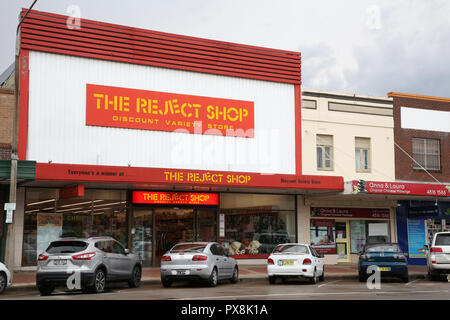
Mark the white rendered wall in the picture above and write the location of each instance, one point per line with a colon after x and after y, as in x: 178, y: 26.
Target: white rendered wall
x: 57, y: 117
x: 344, y: 127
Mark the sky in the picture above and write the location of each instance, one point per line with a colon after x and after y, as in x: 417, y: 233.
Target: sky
x: 350, y: 46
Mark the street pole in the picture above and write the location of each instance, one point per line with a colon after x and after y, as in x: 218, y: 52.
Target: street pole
x: 10, y: 241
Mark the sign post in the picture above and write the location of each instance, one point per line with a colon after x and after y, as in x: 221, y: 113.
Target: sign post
x: 9, y: 208
x: 9, y: 256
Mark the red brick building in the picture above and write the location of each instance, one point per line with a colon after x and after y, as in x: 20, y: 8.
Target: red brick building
x: 6, y: 121
x: 422, y: 149
x: 421, y: 129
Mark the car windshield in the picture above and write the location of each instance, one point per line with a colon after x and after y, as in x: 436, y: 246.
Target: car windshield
x: 189, y: 247
x: 291, y: 248
x: 383, y: 248
x: 443, y: 240
x: 66, y: 246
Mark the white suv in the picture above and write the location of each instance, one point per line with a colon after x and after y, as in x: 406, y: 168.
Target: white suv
x: 438, y: 258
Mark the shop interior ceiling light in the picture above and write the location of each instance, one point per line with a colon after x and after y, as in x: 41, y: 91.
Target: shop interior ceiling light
x: 40, y: 202
x: 71, y: 209
x: 108, y: 204
x: 79, y: 203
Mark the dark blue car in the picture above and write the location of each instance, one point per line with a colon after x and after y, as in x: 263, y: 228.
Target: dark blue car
x: 387, y: 257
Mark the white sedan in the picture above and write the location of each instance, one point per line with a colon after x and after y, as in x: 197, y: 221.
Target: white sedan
x: 5, y: 277
x: 295, y: 260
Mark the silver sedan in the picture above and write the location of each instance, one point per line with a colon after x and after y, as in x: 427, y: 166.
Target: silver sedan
x: 204, y: 261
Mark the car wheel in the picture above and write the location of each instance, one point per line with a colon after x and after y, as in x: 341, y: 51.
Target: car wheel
x: 45, y: 290
x: 99, y: 282
x: 361, y: 277
x: 166, y: 282
x: 212, y: 280
x: 433, y: 276
x: 3, y: 281
x: 322, y: 277
x: 405, y: 278
x: 135, y: 278
x: 235, y: 277
x: 272, y: 279
x: 314, y: 278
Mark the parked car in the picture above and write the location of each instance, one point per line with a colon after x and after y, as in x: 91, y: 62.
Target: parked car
x: 389, y: 259
x: 295, y: 260
x: 5, y: 278
x: 98, y: 260
x: 438, y: 256
x: 201, y: 261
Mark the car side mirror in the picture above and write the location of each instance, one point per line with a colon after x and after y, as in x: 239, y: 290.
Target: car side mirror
x: 126, y: 251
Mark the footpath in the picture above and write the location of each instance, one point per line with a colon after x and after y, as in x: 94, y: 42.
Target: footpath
x: 27, y: 280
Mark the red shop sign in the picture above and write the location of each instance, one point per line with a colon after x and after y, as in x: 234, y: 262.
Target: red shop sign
x: 400, y: 188
x: 163, y: 111
x: 191, y: 198
x: 383, y: 213
x: 72, y: 192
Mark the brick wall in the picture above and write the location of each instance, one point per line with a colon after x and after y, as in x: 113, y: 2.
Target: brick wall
x: 6, y: 115
x: 6, y: 122
x: 5, y: 151
x: 403, y: 137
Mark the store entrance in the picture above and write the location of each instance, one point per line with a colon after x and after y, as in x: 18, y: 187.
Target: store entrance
x: 342, y: 240
x: 174, y: 225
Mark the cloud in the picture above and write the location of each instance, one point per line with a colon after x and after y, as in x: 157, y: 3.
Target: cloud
x: 409, y: 53
x: 401, y: 46
x: 320, y: 68
x: 365, y: 46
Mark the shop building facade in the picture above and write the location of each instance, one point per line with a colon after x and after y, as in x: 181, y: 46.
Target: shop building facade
x: 156, y: 138
x: 350, y: 136
x: 422, y: 154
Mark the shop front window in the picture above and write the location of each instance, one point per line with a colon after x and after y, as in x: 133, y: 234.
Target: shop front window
x: 341, y: 230
x: 142, y: 233
x: 329, y: 236
x: 435, y: 225
x: 357, y: 236
x: 322, y: 236
x: 255, y: 224
x: 377, y: 232
x: 364, y: 232
x: 48, y: 218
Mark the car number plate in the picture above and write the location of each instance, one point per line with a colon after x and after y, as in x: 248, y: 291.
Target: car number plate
x: 288, y: 262
x: 384, y: 269
x: 60, y: 262
x: 180, y: 272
